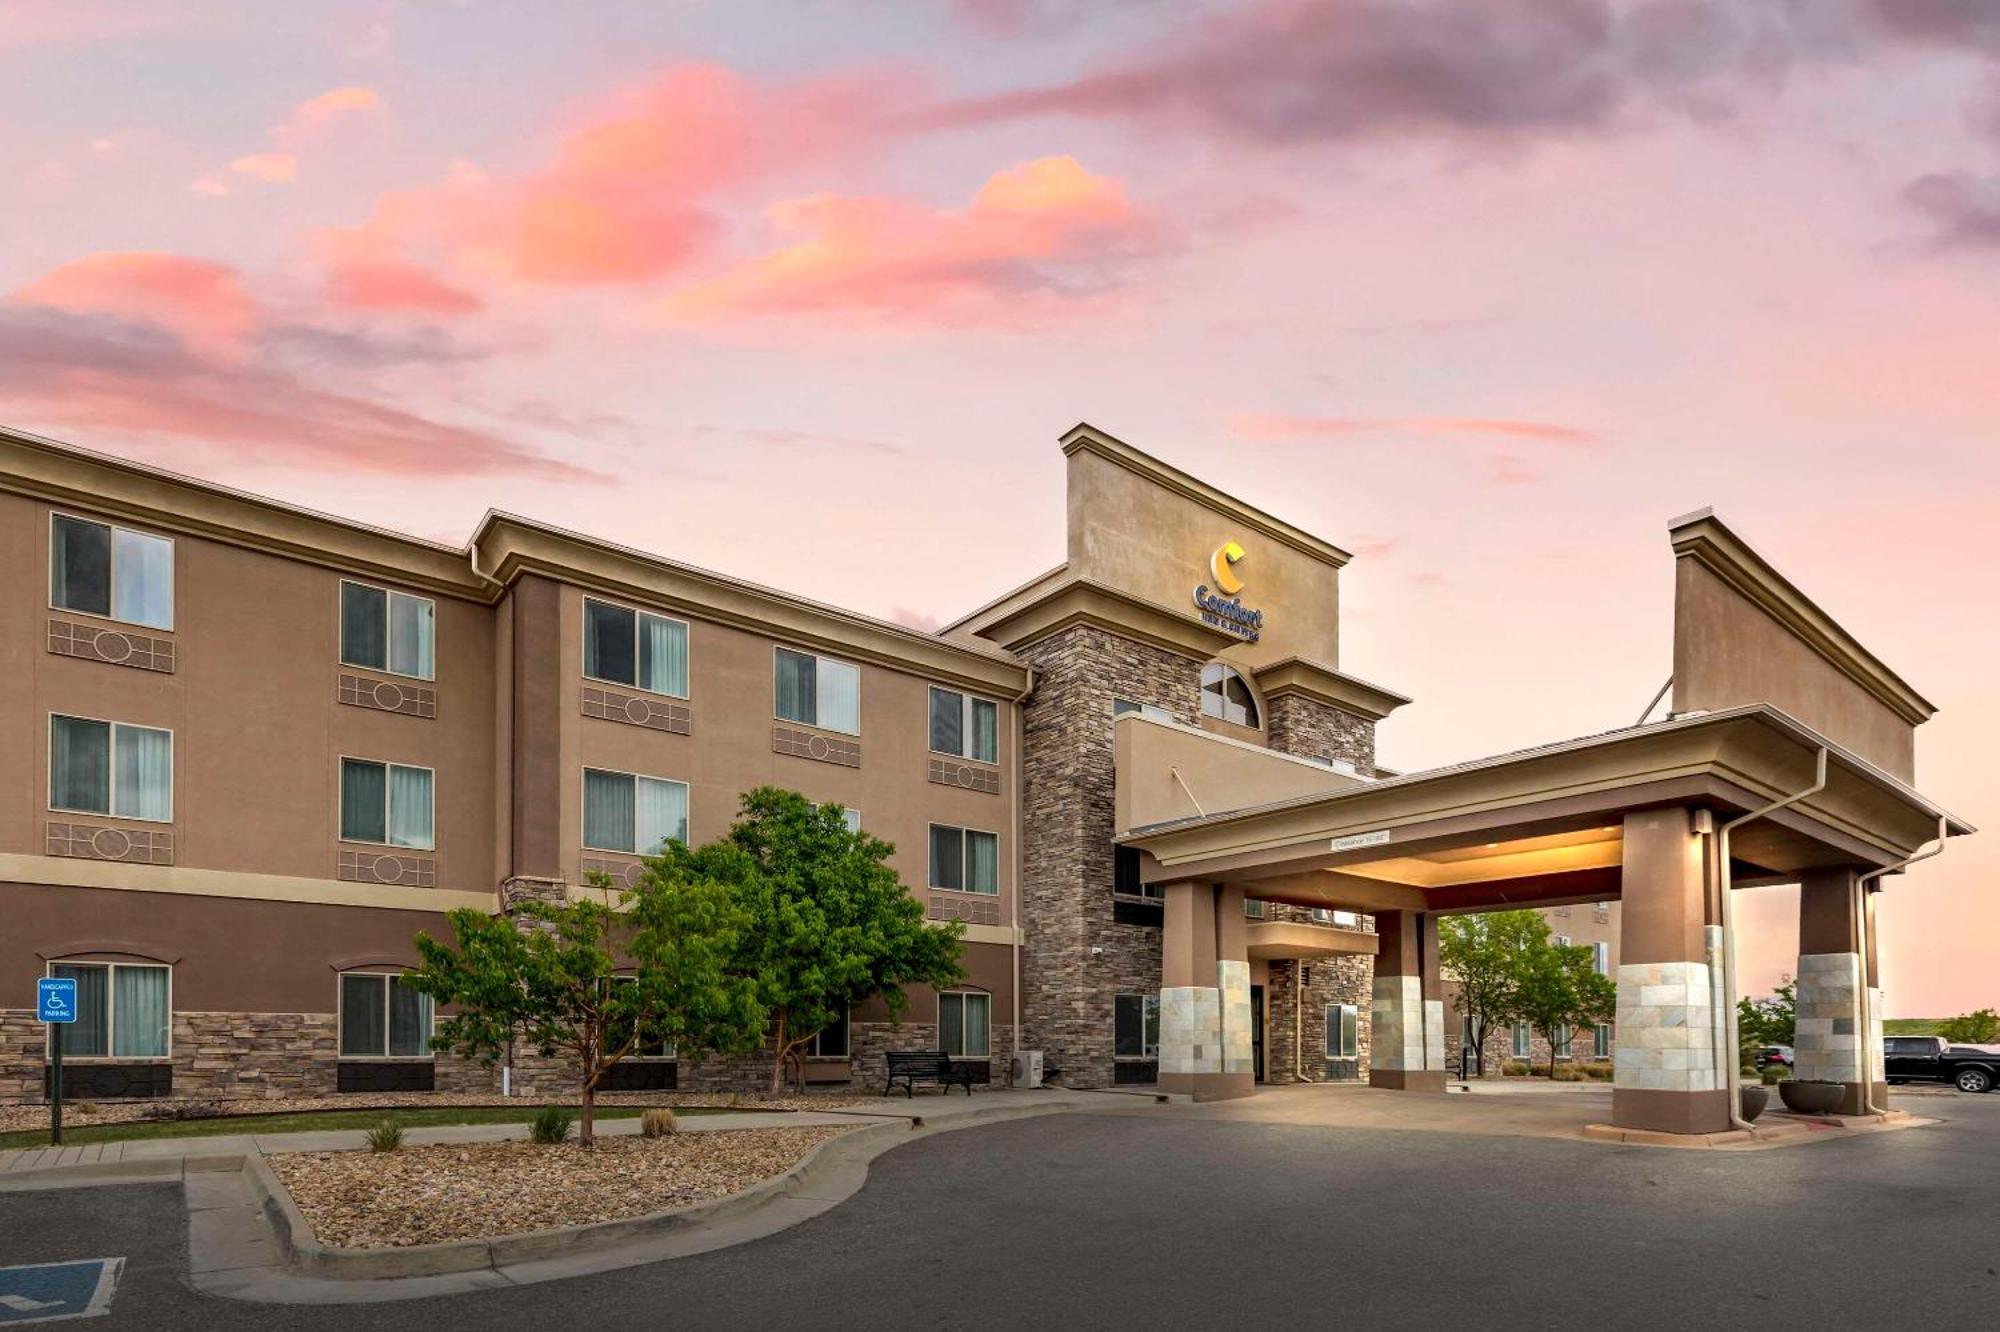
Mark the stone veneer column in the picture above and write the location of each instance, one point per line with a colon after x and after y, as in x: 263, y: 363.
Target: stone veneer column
x: 1205, y: 1048
x: 1077, y: 955
x: 1665, y: 1076
x: 1828, y: 1045
x: 1308, y: 728
x: 1406, y: 1021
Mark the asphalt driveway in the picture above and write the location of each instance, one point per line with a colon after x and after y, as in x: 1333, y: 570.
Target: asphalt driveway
x: 1187, y: 1221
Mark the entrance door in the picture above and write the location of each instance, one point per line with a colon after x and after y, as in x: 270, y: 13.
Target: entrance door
x: 1257, y: 1030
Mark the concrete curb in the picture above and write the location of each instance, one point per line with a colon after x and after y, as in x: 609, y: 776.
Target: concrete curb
x: 1781, y: 1133
x: 311, y: 1273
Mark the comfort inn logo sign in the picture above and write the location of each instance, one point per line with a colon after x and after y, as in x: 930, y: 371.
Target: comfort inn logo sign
x: 1220, y: 604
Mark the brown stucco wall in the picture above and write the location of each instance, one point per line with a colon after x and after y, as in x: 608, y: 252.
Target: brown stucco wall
x: 1128, y: 530
x: 1729, y: 651
x: 258, y: 731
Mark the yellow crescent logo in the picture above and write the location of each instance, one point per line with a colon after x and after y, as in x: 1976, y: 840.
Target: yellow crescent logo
x: 1225, y: 555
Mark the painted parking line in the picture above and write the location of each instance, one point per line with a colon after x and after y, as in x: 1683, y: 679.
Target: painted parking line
x: 48, y: 1292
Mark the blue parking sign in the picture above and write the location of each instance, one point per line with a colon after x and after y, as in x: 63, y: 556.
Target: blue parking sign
x: 55, y: 999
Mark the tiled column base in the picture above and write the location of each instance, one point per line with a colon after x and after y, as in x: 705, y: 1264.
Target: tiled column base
x: 1828, y: 1044
x: 1664, y: 1077
x: 1192, y: 1047
x: 1407, y: 1035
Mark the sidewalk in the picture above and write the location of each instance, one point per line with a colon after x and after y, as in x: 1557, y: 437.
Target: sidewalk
x: 52, y: 1167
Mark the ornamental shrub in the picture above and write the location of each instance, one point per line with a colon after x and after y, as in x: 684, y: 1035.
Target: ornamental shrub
x: 551, y: 1125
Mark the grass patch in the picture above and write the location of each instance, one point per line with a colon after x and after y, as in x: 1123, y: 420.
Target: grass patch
x: 314, y: 1121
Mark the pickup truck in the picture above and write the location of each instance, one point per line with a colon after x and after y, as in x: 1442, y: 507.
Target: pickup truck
x: 1932, y: 1059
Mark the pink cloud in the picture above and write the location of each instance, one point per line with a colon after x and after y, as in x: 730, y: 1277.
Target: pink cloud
x: 200, y: 301
x: 1267, y: 425
x: 359, y: 285
x: 277, y: 168
x: 317, y: 112
x: 629, y: 192
x: 97, y: 373
x: 1040, y: 234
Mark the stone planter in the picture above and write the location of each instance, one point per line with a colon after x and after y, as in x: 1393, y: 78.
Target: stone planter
x: 1811, y: 1098
x: 1753, y: 1099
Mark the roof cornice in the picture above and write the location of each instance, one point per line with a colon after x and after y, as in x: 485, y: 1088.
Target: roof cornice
x: 1087, y: 437
x: 1704, y: 538
x: 1085, y: 601
x: 99, y: 483
x: 507, y: 546
x: 1324, y: 684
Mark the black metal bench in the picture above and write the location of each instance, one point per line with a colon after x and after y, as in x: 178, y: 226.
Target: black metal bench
x: 910, y: 1066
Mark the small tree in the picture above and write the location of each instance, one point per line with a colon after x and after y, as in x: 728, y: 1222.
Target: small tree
x: 1561, y: 991
x: 553, y: 975
x: 1979, y: 1027
x: 1772, y: 1021
x: 1484, y: 953
x: 829, y: 923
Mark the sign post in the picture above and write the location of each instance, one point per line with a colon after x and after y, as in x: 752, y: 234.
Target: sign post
x: 55, y: 1004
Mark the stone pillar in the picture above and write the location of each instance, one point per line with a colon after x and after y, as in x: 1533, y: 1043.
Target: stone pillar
x: 1665, y: 1077
x: 1829, y: 1045
x: 1406, y: 1013
x: 1205, y: 994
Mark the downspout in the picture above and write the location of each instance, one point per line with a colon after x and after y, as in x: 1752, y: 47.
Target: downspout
x: 1865, y: 1043
x: 1019, y: 794
x: 1298, y: 1021
x: 1731, y: 1044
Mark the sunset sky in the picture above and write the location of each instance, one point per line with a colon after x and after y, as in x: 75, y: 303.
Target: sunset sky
x: 1486, y: 292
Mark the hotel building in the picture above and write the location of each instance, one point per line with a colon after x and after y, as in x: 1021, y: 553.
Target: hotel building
x: 249, y: 751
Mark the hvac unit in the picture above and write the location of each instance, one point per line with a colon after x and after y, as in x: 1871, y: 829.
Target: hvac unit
x: 1028, y: 1068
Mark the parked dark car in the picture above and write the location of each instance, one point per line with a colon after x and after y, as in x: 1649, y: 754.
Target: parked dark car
x: 1932, y: 1059
x: 1773, y: 1054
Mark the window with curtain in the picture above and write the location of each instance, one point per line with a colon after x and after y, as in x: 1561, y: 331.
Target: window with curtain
x: 965, y: 726
x: 1126, y: 875
x: 636, y: 815
x: 1136, y: 1026
x: 1522, y: 1040
x: 964, y: 1024
x: 1600, y: 1046
x: 1121, y: 706
x: 635, y: 648
x: 830, y: 1041
x: 1226, y: 695
x: 649, y: 1044
x: 389, y: 804
x: 382, y: 1017
x: 1600, y: 955
x: 98, y: 767
x: 98, y: 569
x: 388, y: 631
x: 1343, y: 1031
x: 1563, y: 1037
x: 817, y: 691
x: 123, y: 1010
x: 964, y: 860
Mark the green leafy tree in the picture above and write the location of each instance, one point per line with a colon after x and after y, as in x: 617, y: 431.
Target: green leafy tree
x: 596, y: 983
x: 1484, y: 954
x: 830, y: 923
x: 1772, y: 1021
x: 1979, y: 1027
x: 1562, y: 992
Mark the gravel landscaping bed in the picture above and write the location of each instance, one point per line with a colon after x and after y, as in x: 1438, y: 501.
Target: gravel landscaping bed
x: 427, y: 1195
x: 14, y: 1118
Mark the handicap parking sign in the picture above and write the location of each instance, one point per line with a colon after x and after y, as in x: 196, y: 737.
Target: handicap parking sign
x: 48, y: 1291
x: 55, y: 999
